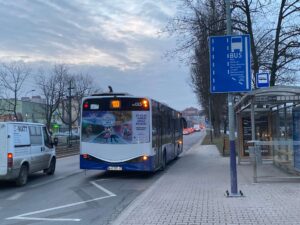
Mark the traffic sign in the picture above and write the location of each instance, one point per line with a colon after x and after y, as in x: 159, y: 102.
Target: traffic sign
x: 262, y: 80
x: 230, y: 65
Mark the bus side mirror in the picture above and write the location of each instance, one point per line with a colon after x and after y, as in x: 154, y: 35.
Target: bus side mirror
x: 55, y: 141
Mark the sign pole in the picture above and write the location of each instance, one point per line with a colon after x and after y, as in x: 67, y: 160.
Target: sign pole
x: 233, y: 173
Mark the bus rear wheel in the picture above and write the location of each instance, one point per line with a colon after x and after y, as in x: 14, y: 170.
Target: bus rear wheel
x: 164, y: 161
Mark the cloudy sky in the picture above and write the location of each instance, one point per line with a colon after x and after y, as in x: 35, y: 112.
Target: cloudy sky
x: 118, y: 42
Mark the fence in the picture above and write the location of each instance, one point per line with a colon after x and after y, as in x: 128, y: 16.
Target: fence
x: 66, y: 150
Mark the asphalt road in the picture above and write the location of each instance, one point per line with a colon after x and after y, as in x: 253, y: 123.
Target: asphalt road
x: 72, y: 196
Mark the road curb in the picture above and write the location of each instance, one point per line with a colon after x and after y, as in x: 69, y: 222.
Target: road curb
x: 66, y: 155
x: 127, y: 211
x: 197, y: 144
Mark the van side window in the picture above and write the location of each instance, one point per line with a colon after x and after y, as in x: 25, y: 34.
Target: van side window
x: 35, y: 135
x: 47, y: 139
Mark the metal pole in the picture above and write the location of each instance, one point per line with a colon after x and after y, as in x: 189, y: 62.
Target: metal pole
x: 253, y: 139
x: 70, y: 112
x: 233, y: 173
x: 209, y: 114
x: 237, y: 122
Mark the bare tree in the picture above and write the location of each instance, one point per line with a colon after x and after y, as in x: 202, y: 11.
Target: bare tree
x: 12, y: 78
x: 286, y: 48
x: 81, y: 85
x: 209, y: 22
x: 84, y: 85
x: 52, y: 85
x: 275, y: 48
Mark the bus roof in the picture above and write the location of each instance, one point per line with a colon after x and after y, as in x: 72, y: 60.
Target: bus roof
x: 112, y: 94
x: 115, y: 94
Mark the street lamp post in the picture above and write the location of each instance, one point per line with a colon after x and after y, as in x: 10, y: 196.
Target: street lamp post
x: 26, y: 114
x: 210, y: 119
x: 28, y: 92
x: 70, y: 113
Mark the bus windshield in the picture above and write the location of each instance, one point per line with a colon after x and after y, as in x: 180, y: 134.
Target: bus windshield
x: 115, y: 121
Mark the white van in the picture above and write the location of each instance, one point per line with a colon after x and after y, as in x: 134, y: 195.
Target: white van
x: 25, y: 148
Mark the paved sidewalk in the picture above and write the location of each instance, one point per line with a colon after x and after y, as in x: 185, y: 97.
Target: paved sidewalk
x: 191, y: 192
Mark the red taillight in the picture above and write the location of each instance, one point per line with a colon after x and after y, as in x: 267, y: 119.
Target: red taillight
x: 85, y: 156
x: 86, y: 105
x: 10, y: 160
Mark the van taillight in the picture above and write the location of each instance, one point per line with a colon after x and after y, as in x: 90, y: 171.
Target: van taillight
x: 10, y: 160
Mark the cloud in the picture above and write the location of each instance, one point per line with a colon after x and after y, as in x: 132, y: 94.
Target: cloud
x: 116, y: 41
x: 99, y: 32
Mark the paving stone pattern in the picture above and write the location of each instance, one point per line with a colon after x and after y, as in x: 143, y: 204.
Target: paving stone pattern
x: 191, y: 192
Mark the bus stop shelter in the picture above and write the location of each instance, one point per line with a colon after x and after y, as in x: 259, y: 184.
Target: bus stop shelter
x: 270, y: 119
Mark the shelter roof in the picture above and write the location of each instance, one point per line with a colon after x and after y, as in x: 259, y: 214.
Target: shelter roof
x: 272, y: 95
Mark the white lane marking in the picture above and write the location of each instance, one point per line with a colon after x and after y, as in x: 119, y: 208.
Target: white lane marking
x: 102, y: 188
x: 55, y: 208
x: 15, y: 196
x: 25, y: 215
x: 53, y: 180
x: 45, y: 219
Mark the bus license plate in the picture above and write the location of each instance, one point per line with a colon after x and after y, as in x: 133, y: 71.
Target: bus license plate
x: 115, y: 168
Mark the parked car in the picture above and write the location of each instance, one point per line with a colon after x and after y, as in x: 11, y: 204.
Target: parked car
x: 25, y: 148
x: 185, y: 131
x: 197, y: 127
x: 188, y: 130
x: 63, y: 137
x: 192, y: 130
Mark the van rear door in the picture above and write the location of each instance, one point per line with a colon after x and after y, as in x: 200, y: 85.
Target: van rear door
x: 3, y: 149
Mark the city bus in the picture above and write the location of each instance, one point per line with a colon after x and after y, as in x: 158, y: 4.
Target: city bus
x: 121, y: 132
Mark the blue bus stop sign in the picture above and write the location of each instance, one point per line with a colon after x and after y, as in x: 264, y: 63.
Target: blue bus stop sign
x: 262, y: 80
x: 230, y: 65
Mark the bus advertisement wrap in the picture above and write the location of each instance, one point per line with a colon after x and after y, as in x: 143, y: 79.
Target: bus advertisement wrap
x: 115, y: 127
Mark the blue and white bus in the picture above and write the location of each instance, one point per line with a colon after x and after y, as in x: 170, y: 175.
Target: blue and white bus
x: 123, y: 132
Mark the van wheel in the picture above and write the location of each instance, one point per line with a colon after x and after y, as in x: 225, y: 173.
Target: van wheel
x: 23, y: 176
x: 51, y: 169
